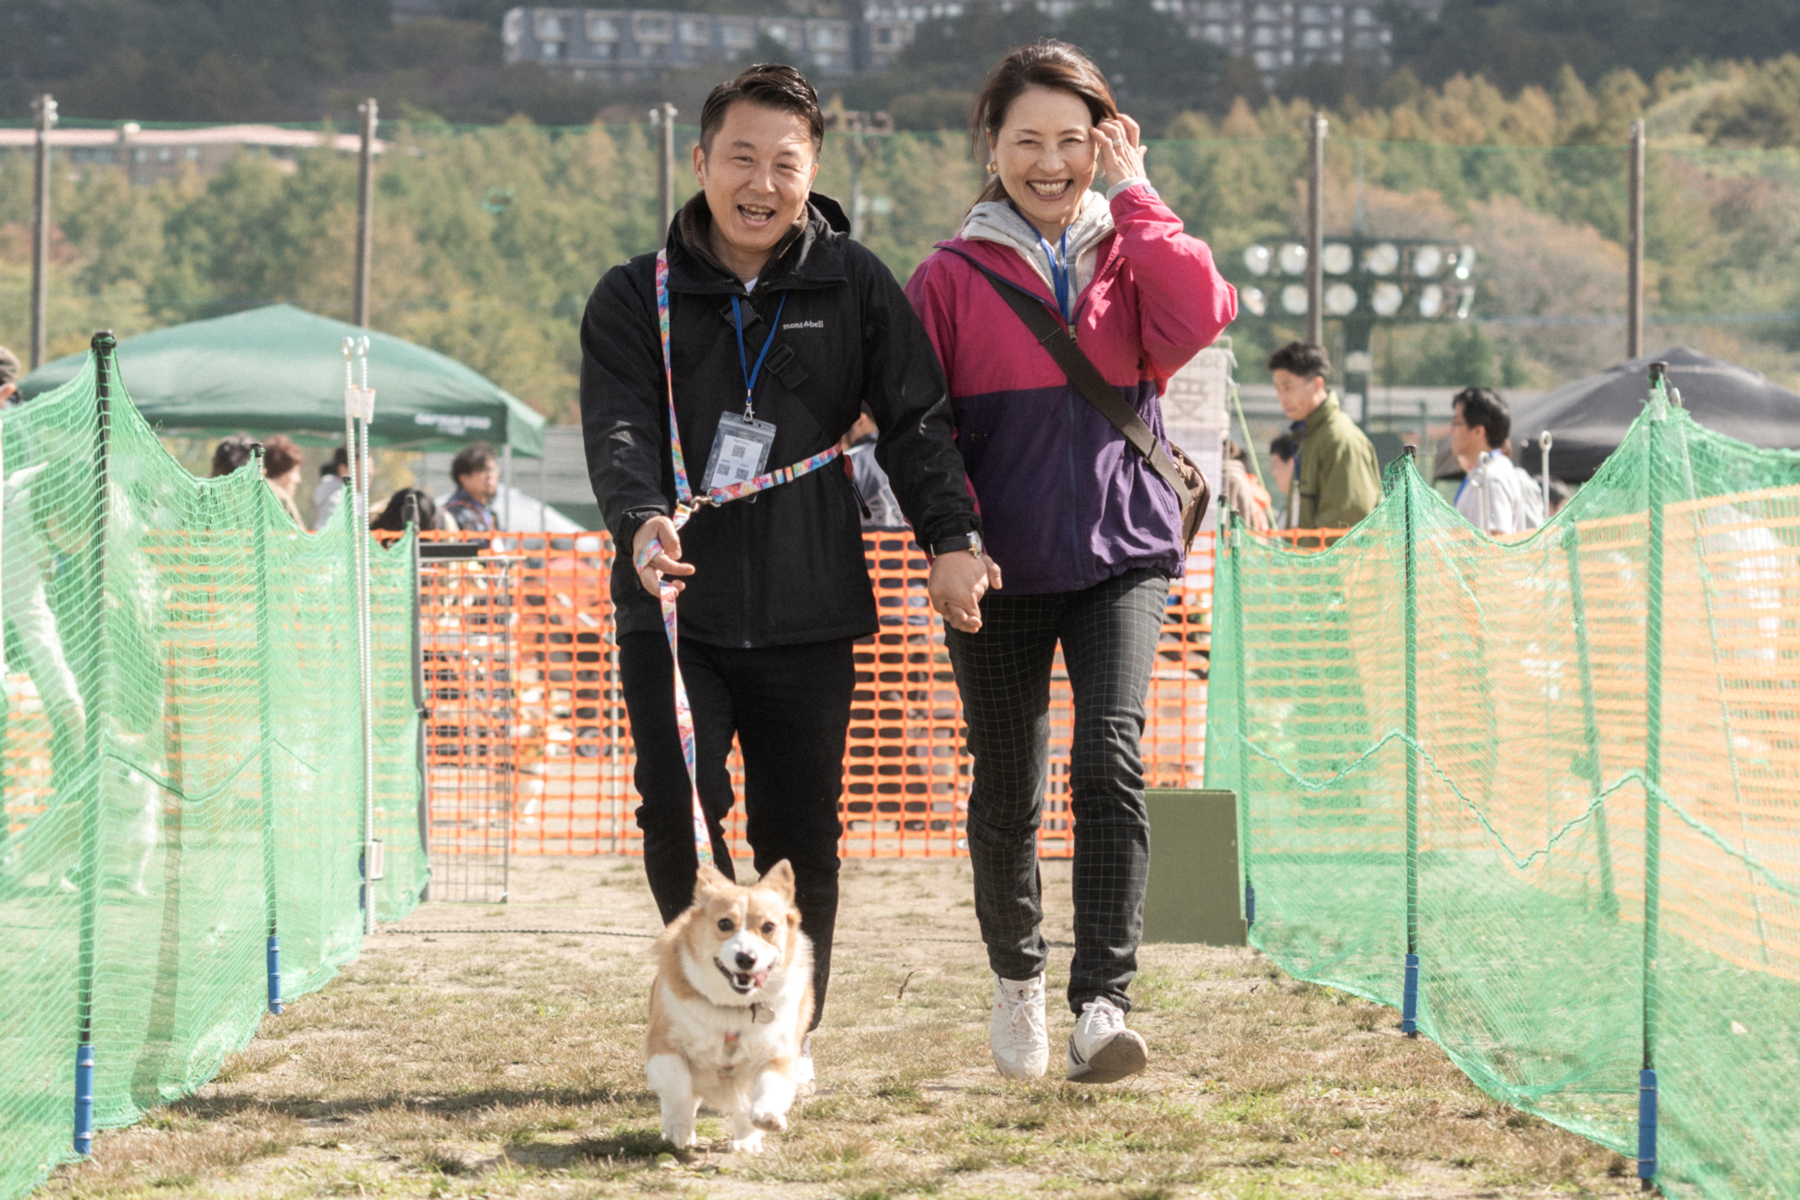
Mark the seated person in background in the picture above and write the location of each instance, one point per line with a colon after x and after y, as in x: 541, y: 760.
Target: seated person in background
x: 1337, y: 481
x: 281, y: 467
x: 880, y: 508
x: 334, y: 473
x: 1242, y: 490
x: 231, y: 453
x: 1281, y: 470
x: 477, y: 475
x: 9, y: 377
x: 1495, y: 495
x: 393, y: 516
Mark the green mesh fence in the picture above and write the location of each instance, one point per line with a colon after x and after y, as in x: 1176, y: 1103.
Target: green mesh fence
x: 1561, y: 772
x: 182, y: 755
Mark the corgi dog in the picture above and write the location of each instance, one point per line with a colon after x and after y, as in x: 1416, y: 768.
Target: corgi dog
x: 729, y: 1008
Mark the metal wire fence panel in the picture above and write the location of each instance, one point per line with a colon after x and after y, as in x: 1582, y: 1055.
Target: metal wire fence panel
x: 181, y: 751
x: 1553, y: 776
x: 906, y: 767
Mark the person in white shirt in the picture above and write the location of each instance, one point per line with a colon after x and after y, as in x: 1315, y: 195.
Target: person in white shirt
x: 1495, y: 495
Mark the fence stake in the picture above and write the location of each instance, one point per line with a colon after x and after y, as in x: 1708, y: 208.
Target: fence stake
x: 1588, y: 764
x: 104, y: 364
x: 265, y: 716
x: 1653, y: 633
x: 1409, y: 1005
x: 1235, y: 531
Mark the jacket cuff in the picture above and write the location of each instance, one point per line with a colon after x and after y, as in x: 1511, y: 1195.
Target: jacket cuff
x: 1134, y: 181
x: 629, y: 524
x: 946, y: 529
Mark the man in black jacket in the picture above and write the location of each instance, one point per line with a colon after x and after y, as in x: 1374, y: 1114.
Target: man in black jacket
x: 772, y: 307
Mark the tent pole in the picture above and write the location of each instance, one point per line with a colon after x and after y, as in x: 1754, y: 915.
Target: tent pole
x: 45, y: 108
x: 1634, y: 243
x: 365, y: 206
x: 543, y: 489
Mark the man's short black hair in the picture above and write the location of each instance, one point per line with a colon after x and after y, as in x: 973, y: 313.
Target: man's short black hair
x: 772, y: 85
x: 471, y: 460
x: 1303, y: 359
x: 1483, y: 408
x: 1284, y: 447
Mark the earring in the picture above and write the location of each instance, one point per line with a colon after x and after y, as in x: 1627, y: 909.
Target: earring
x: 993, y: 168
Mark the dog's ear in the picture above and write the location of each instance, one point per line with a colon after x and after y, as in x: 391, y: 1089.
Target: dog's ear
x: 709, y: 879
x: 780, y: 880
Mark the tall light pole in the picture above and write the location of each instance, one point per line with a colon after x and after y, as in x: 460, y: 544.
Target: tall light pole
x: 663, y: 118
x: 365, y: 210
x: 1315, y: 230
x: 1634, y: 236
x: 45, y: 108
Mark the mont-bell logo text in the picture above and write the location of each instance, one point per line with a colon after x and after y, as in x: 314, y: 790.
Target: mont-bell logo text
x: 804, y: 325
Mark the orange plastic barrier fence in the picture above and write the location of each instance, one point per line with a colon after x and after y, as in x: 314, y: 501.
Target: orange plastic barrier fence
x: 525, y: 712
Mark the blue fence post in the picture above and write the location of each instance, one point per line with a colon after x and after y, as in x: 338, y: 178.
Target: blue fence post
x: 265, y: 706
x: 1653, y: 672
x: 1409, y: 1005
x: 102, y: 347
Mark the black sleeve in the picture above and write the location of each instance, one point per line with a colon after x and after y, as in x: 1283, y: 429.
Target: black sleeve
x: 624, y: 406
x: 904, y: 390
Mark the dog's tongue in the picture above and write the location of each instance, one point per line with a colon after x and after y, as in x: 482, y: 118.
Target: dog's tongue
x: 760, y: 978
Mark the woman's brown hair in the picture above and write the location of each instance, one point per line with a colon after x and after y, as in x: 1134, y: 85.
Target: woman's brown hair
x: 1047, y: 64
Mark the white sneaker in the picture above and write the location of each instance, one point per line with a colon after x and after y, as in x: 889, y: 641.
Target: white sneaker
x: 807, y: 1082
x: 1102, y: 1050
x: 1016, y: 1032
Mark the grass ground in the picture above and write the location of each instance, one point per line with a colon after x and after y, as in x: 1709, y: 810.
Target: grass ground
x: 501, y: 1064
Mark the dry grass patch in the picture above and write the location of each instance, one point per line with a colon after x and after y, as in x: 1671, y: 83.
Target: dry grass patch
x: 507, y: 1066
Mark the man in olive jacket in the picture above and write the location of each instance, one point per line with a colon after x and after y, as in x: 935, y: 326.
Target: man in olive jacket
x: 1336, y: 480
x: 770, y: 302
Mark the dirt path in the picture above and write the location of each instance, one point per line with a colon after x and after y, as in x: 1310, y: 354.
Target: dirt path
x: 503, y: 1064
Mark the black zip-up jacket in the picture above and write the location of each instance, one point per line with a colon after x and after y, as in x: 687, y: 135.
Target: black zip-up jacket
x: 785, y: 566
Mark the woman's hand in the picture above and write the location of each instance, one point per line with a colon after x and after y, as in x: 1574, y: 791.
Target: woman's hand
x: 958, y: 582
x: 666, y: 561
x: 1120, y: 155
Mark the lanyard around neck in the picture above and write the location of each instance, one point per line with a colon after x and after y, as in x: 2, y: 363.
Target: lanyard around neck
x: 750, y: 372
x: 1059, y: 273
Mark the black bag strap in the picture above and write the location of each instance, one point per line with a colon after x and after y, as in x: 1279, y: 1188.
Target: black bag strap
x: 1053, y: 336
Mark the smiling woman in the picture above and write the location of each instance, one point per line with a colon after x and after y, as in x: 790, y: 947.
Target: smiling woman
x: 1087, y: 530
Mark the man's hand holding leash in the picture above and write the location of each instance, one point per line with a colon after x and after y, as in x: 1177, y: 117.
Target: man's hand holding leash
x: 666, y: 561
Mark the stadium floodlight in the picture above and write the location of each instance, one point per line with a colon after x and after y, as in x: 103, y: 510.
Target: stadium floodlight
x: 1293, y: 298
x: 1292, y: 259
x: 1387, y: 299
x: 1383, y: 258
x: 1427, y: 261
x: 1431, y: 301
x: 1255, y: 303
x: 1465, y: 303
x: 1465, y: 261
x: 1256, y: 260
x: 1337, y: 259
x: 1340, y: 299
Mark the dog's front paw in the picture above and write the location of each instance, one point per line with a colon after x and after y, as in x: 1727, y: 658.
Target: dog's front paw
x: 681, y: 1139
x: 769, y: 1120
x: 750, y: 1143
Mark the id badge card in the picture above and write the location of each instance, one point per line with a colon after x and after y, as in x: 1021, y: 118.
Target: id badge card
x: 740, y: 451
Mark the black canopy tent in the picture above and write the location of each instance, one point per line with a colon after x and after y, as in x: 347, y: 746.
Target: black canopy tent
x: 1588, y: 418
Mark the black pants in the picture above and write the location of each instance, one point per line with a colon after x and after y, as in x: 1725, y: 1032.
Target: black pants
x: 789, y: 707
x: 1108, y: 634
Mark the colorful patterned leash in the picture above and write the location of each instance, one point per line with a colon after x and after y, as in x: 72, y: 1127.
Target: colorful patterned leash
x: 686, y: 504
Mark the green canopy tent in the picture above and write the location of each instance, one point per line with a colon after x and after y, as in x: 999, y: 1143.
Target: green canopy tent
x: 280, y: 370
